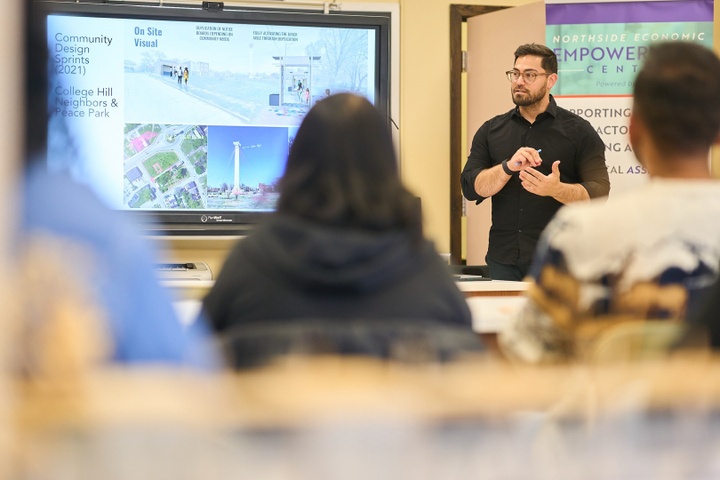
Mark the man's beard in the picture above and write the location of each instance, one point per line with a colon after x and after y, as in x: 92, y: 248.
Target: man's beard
x: 528, y: 99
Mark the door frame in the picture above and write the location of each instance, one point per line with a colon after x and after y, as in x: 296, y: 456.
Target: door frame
x: 458, y: 15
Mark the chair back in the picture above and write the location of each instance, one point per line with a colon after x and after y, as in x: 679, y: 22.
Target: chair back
x: 637, y: 340
x: 408, y: 340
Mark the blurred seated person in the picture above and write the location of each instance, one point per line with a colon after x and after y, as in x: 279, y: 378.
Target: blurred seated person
x: 650, y: 253
x: 79, y: 256
x: 81, y: 263
x: 344, y: 256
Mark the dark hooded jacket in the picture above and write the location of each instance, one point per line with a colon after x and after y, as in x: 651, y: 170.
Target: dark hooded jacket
x: 291, y: 272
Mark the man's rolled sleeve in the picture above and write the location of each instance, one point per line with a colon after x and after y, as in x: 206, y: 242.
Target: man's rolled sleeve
x: 592, y: 168
x: 478, y: 160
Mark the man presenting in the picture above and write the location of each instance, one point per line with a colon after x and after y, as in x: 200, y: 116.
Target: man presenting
x: 531, y: 160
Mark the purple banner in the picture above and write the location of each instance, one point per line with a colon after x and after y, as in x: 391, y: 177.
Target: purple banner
x: 633, y: 12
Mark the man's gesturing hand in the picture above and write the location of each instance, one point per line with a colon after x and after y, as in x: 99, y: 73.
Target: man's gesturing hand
x: 543, y: 185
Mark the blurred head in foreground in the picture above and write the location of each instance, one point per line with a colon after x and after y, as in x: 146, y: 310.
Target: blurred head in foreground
x: 342, y: 170
x: 676, y: 111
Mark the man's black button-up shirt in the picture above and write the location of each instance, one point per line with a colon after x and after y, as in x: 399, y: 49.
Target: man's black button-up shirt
x: 518, y: 216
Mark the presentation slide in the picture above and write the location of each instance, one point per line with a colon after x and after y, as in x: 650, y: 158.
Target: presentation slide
x: 184, y: 115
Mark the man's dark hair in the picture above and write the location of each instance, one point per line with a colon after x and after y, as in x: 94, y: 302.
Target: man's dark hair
x: 677, y: 96
x: 549, y: 59
x: 342, y: 170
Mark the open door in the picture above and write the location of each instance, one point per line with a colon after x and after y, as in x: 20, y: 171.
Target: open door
x: 491, y: 41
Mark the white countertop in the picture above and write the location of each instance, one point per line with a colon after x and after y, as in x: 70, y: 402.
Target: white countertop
x: 490, y: 313
x: 492, y: 286
x: 464, y: 286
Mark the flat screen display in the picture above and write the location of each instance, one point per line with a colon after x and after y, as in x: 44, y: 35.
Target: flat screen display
x: 183, y: 117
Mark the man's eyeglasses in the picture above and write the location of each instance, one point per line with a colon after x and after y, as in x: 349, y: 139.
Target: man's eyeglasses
x: 529, y: 77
